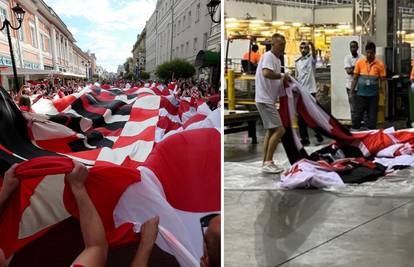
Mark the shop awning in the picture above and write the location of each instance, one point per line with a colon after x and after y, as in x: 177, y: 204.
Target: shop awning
x: 206, y: 58
x: 20, y: 71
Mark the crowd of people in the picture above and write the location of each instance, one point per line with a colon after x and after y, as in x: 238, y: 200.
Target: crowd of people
x: 31, y: 93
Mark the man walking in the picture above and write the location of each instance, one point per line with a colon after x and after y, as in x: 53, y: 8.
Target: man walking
x: 305, y: 74
x: 349, y: 64
x: 269, y: 84
x: 369, y: 72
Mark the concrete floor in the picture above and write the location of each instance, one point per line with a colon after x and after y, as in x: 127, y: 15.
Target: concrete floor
x: 265, y: 226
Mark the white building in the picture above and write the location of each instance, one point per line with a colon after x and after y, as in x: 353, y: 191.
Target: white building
x: 179, y: 29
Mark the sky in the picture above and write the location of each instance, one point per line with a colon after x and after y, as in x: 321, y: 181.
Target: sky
x: 108, y: 28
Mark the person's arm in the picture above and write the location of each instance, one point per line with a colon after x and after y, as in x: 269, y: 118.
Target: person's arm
x: 313, y: 50
x: 354, y: 83
x: 10, y: 183
x: 272, y: 75
x: 149, y: 232
x: 356, y: 76
x: 93, y: 232
x: 349, y: 69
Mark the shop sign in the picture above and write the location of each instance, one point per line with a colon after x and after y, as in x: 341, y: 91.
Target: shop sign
x: 4, y: 61
x: 30, y: 65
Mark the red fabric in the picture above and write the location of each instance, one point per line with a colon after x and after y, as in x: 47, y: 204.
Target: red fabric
x: 194, y: 119
x: 61, y: 94
x: 377, y: 141
x: 105, y: 185
x: 181, y: 181
x: 214, y: 99
x: 25, y: 108
x: 62, y: 103
x: 44, y: 166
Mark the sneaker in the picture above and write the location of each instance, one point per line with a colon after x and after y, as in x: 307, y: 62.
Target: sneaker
x: 305, y: 142
x: 271, y: 168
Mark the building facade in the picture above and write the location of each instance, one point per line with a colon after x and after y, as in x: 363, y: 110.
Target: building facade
x: 138, y: 52
x: 179, y: 29
x: 43, y: 46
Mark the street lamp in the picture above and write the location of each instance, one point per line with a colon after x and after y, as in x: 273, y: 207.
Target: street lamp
x: 86, y: 64
x: 212, y: 7
x: 19, y: 14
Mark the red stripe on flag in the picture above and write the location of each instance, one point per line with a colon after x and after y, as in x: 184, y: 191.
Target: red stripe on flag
x: 188, y: 167
x: 140, y: 114
x: 62, y: 103
x: 147, y: 135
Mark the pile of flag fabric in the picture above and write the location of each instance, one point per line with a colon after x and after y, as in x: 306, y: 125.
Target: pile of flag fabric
x: 148, y: 152
x: 352, y: 157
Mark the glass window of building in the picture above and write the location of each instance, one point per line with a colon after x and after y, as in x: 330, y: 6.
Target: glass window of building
x: 195, y: 44
x: 33, y: 35
x: 197, y: 13
x: 205, y: 38
x: 189, y: 19
x: 3, y: 16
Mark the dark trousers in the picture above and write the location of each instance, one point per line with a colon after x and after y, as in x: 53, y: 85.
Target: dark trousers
x: 303, y: 127
x: 362, y: 104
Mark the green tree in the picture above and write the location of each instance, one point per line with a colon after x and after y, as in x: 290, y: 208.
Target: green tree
x: 144, y: 75
x: 179, y: 67
x: 129, y: 76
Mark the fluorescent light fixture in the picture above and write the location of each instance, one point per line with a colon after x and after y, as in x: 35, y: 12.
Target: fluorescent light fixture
x: 278, y: 23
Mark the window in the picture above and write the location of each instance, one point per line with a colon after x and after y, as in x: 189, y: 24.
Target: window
x: 183, y: 22
x: 197, y: 13
x: 186, y: 48
x: 205, y: 38
x: 21, y: 33
x: 3, y: 15
x: 182, y: 50
x: 189, y: 19
x: 178, y: 26
x: 42, y: 42
x: 33, y: 35
x: 195, y: 44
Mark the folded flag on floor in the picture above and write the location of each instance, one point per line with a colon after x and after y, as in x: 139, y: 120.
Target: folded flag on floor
x: 351, y: 158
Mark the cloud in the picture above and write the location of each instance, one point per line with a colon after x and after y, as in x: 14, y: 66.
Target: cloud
x: 115, y: 25
x: 73, y: 30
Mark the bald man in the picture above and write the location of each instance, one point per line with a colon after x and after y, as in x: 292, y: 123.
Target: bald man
x: 212, y: 243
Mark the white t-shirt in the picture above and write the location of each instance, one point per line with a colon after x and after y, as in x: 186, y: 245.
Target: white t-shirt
x: 349, y: 62
x: 267, y: 90
x: 305, y: 72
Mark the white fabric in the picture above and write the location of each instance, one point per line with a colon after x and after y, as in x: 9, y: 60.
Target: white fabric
x: 412, y: 87
x: 267, y: 91
x: 306, y: 173
x: 46, y: 206
x: 305, y: 70
x: 349, y: 62
x: 176, y: 237
x: 403, y: 160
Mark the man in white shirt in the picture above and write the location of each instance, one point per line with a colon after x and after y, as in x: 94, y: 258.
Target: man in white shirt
x: 349, y: 64
x: 269, y: 85
x: 305, y: 74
